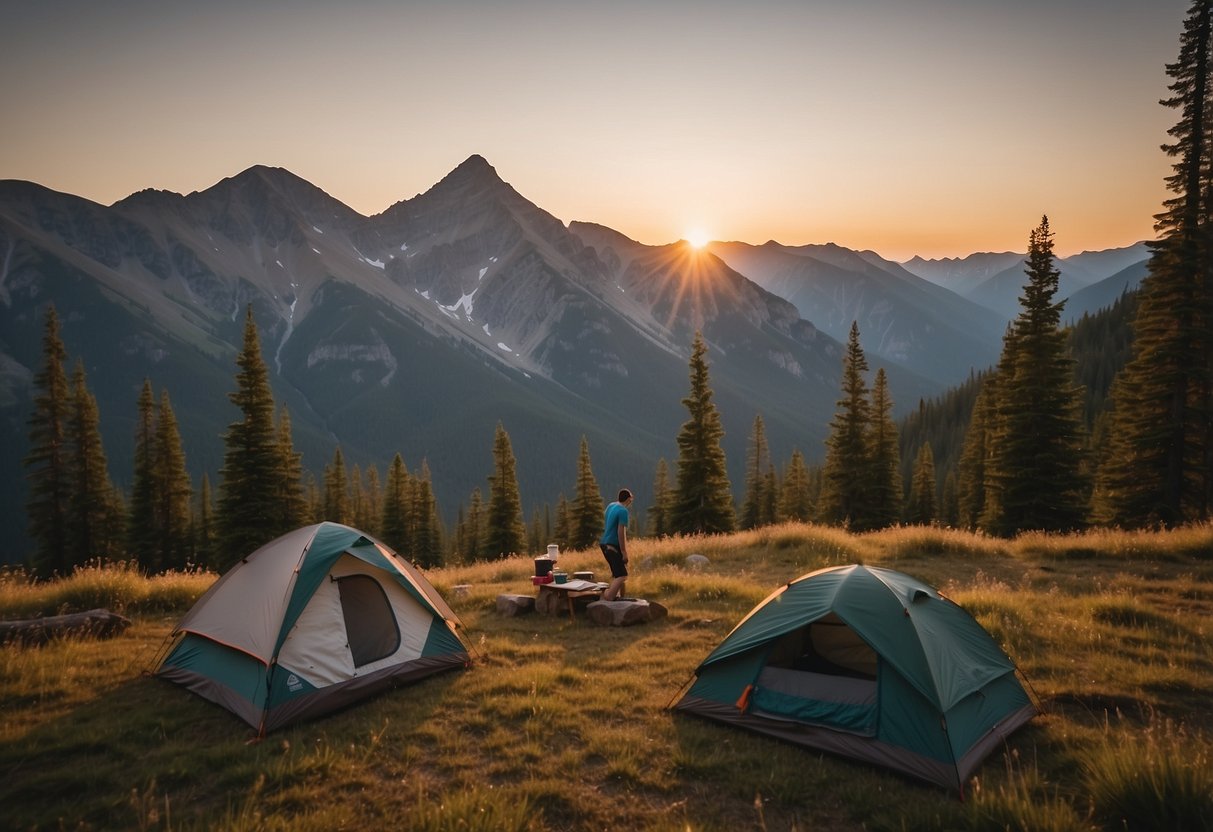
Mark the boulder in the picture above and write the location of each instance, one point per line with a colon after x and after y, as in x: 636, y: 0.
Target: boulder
x: 625, y: 613
x: 696, y: 561
x: 512, y: 605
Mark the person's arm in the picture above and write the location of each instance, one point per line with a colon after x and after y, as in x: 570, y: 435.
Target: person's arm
x: 623, y: 541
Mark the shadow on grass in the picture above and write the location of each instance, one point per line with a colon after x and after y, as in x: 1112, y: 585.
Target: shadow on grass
x: 94, y: 765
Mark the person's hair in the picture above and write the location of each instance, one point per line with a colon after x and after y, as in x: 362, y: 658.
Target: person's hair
x: 624, y: 495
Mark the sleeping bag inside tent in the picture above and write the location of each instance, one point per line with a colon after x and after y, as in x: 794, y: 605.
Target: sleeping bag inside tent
x: 311, y: 622
x: 870, y: 664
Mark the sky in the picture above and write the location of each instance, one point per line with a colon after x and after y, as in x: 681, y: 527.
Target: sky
x: 909, y: 127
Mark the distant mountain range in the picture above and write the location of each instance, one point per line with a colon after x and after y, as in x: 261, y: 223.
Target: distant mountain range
x: 1089, y: 281
x: 418, y: 329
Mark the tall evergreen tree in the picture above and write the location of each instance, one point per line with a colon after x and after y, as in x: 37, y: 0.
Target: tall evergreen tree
x: 373, y: 521
x: 1160, y: 465
x: 949, y: 503
x: 91, y: 495
x: 397, y: 505
x: 292, y: 503
x: 561, y: 534
x: 204, y: 527
x: 1035, y: 472
x: 796, y: 499
x: 359, y: 499
x: 474, y: 526
x: 884, y: 459
x: 535, y: 538
x: 659, y: 509
x: 921, y: 508
x: 971, y: 470
x: 771, y: 495
x: 505, y: 533
x: 249, y: 494
x: 337, y: 506
x: 427, y: 528
x: 843, y: 493
x: 703, y: 501
x: 587, y: 511
x: 142, y: 539
x: 173, y: 491
x: 46, y: 463
x: 756, y: 506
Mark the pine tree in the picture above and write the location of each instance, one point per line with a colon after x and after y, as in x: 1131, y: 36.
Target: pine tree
x: 971, y: 470
x: 249, y: 495
x: 562, y: 534
x: 472, y: 529
x: 373, y: 521
x: 505, y: 533
x: 337, y: 508
x: 659, y: 509
x: 91, y: 494
x: 949, y: 504
x: 293, y: 509
x: 843, y: 493
x: 204, y: 527
x: 358, y: 498
x: 884, y: 459
x: 173, y: 491
x: 772, y: 491
x: 427, y: 528
x: 535, y: 538
x: 142, y: 539
x: 585, y: 521
x: 756, y: 506
x: 1159, y: 468
x: 46, y: 463
x: 313, y: 500
x: 1034, y: 473
x: 703, y: 502
x: 921, y: 509
x: 796, y: 500
x: 397, y: 506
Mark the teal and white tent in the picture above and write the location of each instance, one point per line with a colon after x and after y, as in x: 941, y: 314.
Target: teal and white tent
x: 311, y: 622
x: 870, y: 664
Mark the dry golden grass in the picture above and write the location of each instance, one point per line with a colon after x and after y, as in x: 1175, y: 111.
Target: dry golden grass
x: 560, y: 725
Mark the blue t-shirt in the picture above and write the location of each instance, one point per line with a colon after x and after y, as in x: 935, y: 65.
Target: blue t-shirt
x: 616, y: 515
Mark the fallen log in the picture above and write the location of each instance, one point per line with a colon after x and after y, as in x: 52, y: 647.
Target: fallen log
x: 97, y: 623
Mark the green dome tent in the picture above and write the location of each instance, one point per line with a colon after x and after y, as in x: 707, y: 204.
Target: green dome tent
x: 869, y: 664
x: 311, y: 622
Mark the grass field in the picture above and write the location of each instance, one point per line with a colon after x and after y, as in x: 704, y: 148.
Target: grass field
x: 562, y: 725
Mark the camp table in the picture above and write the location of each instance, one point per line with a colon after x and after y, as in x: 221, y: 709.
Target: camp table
x: 574, y: 589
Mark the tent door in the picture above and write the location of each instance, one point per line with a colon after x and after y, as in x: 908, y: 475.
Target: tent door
x: 370, y: 625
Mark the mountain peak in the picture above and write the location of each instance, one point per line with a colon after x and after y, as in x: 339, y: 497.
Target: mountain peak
x: 473, y: 171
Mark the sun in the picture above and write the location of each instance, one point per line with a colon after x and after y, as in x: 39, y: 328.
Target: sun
x: 698, y: 238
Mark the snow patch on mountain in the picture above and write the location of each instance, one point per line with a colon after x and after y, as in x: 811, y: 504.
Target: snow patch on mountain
x: 363, y: 357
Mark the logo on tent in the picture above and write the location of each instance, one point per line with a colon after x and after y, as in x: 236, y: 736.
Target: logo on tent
x: 293, y: 684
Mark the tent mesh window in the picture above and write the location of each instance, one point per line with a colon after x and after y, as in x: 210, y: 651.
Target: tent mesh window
x: 826, y: 646
x: 370, y: 624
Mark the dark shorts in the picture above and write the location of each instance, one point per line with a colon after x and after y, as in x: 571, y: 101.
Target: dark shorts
x: 614, y: 559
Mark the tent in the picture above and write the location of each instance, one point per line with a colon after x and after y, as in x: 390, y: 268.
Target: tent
x: 311, y: 622
x: 870, y: 664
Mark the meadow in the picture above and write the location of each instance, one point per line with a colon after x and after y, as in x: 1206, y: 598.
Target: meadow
x: 561, y: 725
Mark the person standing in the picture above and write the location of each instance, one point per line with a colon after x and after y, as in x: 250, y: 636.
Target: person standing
x: 614, y: 543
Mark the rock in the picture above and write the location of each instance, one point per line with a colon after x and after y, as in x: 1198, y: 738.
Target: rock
x: 696, y: 561
x: 461, y: 590
x: 625, y: 613
x: 512, y: 605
